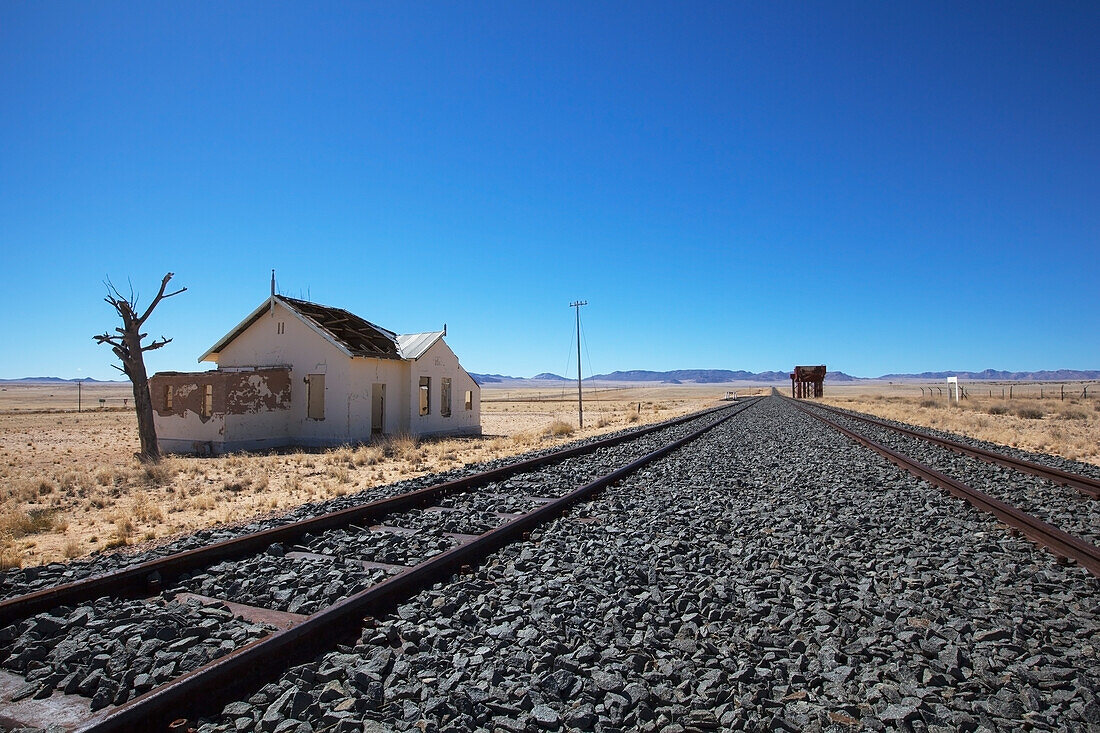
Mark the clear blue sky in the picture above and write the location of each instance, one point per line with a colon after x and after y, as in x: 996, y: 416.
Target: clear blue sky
x: 881, y: 187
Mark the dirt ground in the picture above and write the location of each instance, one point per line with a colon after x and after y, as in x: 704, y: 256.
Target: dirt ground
x: 1035, y: 418
x: 69, y: 484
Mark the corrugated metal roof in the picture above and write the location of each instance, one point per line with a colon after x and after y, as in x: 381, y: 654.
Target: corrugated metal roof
x: 414, y: 345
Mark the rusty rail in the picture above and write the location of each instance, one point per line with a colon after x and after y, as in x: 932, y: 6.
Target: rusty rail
x: 1086, y: 554
x: 215, y: 682
x: 1084, y: 484
x: 150, y: 576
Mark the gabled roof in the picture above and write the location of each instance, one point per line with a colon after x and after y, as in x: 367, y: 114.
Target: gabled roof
x: 414, y: 345
x: 345, y: 330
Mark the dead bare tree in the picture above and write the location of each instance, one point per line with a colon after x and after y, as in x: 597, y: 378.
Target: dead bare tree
x: 126, y: 343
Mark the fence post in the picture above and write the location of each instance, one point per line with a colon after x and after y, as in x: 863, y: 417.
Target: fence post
x: 1010, y: 391
x: 1063, y: 393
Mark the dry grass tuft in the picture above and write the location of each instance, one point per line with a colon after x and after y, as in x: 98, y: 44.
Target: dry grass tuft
x: 368, y: 455
x: 402, y: 446
x: 559, y: 428
x: 24, y: 522
x: 1072, y: 413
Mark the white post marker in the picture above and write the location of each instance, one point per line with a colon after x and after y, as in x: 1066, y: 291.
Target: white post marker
x: 953, y: 381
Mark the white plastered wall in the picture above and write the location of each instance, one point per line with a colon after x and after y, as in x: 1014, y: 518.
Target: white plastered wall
x: 436, y: 363
x: 306, y: 352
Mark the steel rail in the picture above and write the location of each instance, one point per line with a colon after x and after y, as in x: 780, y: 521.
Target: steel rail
x: 1061, y: 543
x: 215, y: 682
x: 1084, y: 484
x: 150, y: 576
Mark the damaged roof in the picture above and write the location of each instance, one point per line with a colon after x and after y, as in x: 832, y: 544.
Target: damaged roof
x: 358, y: 337
x: 351, y: 334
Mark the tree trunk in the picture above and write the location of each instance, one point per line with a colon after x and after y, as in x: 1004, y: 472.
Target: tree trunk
x: 143, y: 404
x: 126, y: 344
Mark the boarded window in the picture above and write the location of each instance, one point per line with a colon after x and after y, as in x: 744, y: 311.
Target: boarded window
x: 469, y: 400
x: 208, y: 400
x: 445, y: 397
x: 316, y: 396
x: 425, y: 390
x: 167, y: 397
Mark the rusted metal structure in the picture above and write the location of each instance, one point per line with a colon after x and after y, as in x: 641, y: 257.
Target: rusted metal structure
x: 808, y: 381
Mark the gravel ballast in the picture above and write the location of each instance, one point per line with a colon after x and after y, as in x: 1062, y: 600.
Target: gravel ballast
x: 771, y: 575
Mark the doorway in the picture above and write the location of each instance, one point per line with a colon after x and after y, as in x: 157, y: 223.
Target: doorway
x: 377, y: 407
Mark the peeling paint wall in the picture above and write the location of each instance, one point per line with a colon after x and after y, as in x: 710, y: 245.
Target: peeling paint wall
x: 244, y: 407
x: 232, y: 393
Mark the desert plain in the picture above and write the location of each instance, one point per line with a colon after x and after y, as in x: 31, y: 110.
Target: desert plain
x: 70, y: 484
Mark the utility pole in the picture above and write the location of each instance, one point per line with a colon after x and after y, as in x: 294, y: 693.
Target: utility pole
x: 78, y: 383
x: 580, y: 400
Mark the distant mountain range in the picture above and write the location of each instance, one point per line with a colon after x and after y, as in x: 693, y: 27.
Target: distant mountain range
x: 720, y: 376
x: 709, y: 376
x: 1056, y: 375
x: 676, y: 376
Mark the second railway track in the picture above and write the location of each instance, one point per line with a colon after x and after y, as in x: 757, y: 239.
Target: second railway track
x: 1052, y: 507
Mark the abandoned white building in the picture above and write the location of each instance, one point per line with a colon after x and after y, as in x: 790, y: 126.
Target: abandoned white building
x: 295, y: 373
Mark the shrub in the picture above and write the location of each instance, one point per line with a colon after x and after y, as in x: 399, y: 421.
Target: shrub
x: 1072, y: 414
x: 1030, y: 413
x: 998, y: 410
x: 929, y: 403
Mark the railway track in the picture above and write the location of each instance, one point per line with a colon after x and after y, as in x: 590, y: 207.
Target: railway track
x: 1085, y: 484
x: 356, y: 564
x: 1076, y: 544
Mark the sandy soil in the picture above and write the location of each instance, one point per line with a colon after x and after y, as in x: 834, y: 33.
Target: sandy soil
x: 69, y: 483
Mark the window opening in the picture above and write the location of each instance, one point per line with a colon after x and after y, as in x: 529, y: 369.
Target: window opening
x: 207, y: 400
x: 167, y: 397
x: 445, y: 396
x: 469, y: 400
x: 425, y: 388
x: 315, y: 396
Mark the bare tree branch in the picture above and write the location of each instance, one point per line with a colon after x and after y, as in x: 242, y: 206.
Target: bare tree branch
x: 156, y: 344
x: 160, y: 296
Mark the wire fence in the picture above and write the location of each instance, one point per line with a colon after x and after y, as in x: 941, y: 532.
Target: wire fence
x: 1015, y: 390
